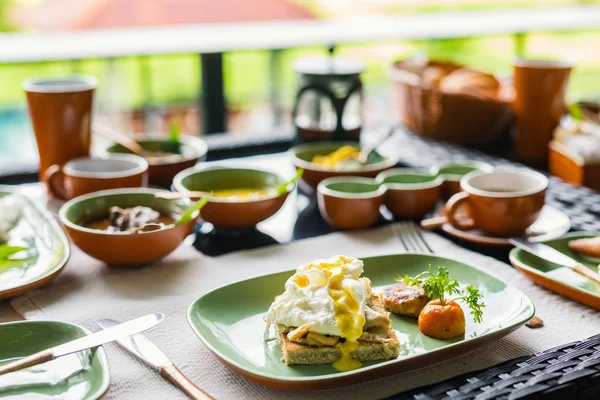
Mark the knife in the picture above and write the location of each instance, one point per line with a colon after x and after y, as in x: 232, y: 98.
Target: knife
x: 141, y: 347
x: 87, y: 342
x: 550, y: 254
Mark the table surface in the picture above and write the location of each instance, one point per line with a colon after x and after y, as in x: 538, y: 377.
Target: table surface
x: 299, y: 218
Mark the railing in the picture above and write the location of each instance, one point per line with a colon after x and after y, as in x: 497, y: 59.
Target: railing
x: 212, y: 40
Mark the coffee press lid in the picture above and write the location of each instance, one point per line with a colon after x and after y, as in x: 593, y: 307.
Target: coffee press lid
x: 318, y: 65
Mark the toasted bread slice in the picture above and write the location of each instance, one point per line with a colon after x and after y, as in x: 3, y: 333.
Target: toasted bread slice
x: 297, y: 353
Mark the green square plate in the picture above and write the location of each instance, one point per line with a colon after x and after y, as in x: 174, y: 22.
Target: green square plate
x: 229, y: 320
x: 560, y: 279
x: 49, y: 248
x: 80, y: 376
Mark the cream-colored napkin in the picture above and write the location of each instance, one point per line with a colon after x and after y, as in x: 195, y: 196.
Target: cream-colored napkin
x: 88, y: 290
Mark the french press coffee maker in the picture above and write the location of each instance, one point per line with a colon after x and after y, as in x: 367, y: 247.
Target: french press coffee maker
x: 329, y: 99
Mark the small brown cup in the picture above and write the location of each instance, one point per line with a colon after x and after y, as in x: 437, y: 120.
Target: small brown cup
x: 502, y: 203
x: 410, y: 193
x: 539, y: 103
x: 61, y: 112
x: 350, y: 202
x: 86, y: 175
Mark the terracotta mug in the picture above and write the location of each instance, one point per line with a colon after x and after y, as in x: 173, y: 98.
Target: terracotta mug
x: 539, y: 103
x: 61, y: 111
x: 501, y: 203
x: 86, y: 175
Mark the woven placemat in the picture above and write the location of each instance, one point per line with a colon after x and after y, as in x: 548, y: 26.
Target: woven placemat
x: 569, y: 371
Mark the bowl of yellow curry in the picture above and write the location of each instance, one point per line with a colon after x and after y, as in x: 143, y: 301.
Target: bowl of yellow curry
x: 240, y: 197
x: 324, y: 160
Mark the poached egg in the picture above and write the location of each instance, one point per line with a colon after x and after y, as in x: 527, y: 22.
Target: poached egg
x: 329, y: 294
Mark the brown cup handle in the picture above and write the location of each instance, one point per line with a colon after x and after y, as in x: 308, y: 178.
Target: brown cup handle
x: 452, y: 206
x: 55, y: 179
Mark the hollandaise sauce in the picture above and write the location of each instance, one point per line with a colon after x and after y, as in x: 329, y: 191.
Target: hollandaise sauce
x: 243, y: 193
x: 332, y: 159
x: 349, y: 319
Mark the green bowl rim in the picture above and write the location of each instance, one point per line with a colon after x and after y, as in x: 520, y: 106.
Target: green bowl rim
x: 190, y: 141
x: 479, y: 165
x: 324, y: 190
x: 437, y: 179
x: 513, y: 260
x: 387, y: 162
x: 178, y: 186
x: 512, y: 326
x: 58, y: 231
x: 99, y: 350
x: 62, y: 212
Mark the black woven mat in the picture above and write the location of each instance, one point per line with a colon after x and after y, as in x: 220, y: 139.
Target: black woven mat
x: 569, y: 371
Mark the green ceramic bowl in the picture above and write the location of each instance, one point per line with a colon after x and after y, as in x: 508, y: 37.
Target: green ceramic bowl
x: 302, y: 156
x: 24, y: 338
x: 162, y: 172
x: 411, y: 193
x: 350, y: 202
x: 234, y: 213
x: 123, y: 248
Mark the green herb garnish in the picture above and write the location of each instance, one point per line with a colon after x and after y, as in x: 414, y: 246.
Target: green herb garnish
x: 188, y: 214
x: 438, y: 286
x: 575, y: 112
x: 283, y: 188
x: 7, y: 251
x: 6, y: 263
x: 174, y: 132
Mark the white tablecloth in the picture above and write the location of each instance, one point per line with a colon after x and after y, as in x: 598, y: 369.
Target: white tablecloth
x: 88, y: 290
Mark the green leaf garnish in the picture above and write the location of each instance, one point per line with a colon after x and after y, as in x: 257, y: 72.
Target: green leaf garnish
x: 439, y: 285
x: 174, y: 132
x: 7, y: 251
x: 187, y: 215
x: 575, y: 112
x: 283, y: 188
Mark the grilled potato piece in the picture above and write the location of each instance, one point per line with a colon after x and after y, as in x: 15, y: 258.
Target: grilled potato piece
x: 404, y: 300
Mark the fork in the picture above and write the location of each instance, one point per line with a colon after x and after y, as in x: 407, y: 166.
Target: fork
x: 412, y: 238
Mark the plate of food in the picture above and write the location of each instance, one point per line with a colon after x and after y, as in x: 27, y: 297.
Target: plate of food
x: 342, y: 320
x: 33, y: 247
x: 583, y: 247
x: 79, y: 376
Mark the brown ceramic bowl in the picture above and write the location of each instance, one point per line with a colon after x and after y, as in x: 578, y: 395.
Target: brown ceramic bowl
x: 302, y: 156
x: 162, y: 170
x: 502, y: 203
x: 350, y: 202
x: 87, y: 175
x: 234, y: 213
x: 452, y: 173
x: 122, y: 248
x: 410, y: 193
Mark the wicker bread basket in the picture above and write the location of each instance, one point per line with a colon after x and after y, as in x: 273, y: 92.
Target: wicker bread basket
x: 453, y: 117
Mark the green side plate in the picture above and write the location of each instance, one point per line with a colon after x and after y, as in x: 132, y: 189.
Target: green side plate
x: 48, y: 248
x: 80, y: 376
x: 229, y: 320
x: 560, y: 279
